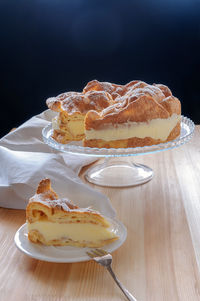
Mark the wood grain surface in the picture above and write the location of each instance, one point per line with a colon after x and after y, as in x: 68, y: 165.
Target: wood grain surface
x: 160, y: 259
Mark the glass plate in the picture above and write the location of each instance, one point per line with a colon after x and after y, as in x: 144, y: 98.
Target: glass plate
x: 64, y: 253
x: 76, y: 147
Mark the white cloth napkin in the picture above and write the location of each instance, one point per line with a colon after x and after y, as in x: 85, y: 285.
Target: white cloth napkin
x: 25, y: 159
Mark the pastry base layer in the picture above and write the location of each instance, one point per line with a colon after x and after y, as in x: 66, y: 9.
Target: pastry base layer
x: 131, y: 142
x: 63, y: 137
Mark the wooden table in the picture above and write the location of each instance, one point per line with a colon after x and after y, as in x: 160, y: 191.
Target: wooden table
x: 160, y: 259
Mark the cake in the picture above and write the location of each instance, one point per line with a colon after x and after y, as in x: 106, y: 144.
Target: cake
x: 72, y: 108
x: 58, y: 222
x: 107, y: 115
x: 145, y: 115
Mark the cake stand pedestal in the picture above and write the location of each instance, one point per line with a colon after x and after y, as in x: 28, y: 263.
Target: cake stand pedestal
x: 125, y: 173
x: 119, y: 173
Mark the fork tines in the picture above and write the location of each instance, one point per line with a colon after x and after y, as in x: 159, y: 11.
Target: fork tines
x: 97, y: 252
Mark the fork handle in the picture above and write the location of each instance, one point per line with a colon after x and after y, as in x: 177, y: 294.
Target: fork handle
x: 121, y: 286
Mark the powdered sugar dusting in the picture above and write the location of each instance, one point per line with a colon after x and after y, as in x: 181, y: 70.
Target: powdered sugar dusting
x: 63, y: 203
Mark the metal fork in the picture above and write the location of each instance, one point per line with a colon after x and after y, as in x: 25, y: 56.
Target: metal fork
x: 105, y: 259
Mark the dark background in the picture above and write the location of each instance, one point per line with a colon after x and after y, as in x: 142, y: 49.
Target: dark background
x: 52, y: 46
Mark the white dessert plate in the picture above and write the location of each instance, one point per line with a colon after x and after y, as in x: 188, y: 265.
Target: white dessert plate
x: 64, y: 253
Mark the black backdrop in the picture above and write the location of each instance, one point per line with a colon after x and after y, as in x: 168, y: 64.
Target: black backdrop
x: 52, y: 46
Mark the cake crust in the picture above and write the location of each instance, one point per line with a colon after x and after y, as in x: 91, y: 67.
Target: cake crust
x: 75, y: 102
x: 114, y: 90
x: 53, y: 208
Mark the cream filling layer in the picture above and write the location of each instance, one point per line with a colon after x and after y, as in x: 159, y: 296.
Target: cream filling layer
x: 76, y: 232
x: 74, y: 127
x: 156, y: 128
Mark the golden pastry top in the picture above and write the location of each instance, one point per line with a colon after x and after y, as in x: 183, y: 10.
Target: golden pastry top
x: 46, y: 205
x: 47, y: 196
x: 72, y: 102
x: 140, y: 103
x: 105, y: 102
x: 159, y: 91
x: 113, y: 89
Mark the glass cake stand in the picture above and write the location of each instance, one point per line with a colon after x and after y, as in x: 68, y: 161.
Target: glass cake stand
x: 119, y: 173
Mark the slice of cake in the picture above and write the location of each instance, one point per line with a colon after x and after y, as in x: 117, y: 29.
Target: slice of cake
x: 72, y: 108
x: 58, y: 222
x: 146, y: 115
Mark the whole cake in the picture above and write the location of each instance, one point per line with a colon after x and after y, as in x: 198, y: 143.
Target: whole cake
x: 58, y: 222
x: 135, y: 114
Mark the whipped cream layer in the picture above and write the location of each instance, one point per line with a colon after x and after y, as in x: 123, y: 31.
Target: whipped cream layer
x: 155, y: 128
x: 77, y: 232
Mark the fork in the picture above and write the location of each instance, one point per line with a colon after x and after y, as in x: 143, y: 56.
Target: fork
x: 105, y: 259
